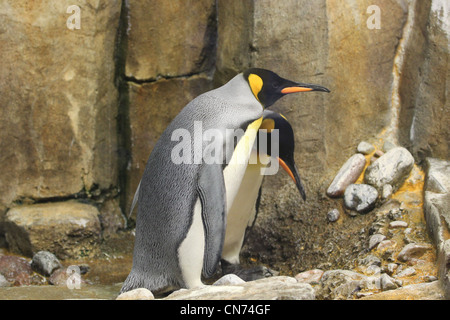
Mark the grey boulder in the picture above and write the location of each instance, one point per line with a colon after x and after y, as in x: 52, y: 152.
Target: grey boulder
x: 391, y: 168
x: 360, y: 197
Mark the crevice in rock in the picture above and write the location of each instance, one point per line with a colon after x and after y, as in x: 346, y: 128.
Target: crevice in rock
x: 392, y: 131
x: 207, y: 59
x: 93, y: 196
x: 123, y: 119
x: 160, y: 77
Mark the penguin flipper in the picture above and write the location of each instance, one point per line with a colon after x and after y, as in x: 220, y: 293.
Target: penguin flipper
x: 211, y: 190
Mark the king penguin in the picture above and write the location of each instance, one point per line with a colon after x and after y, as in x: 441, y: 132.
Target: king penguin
x: 182, y: 206
x: 243, y: 211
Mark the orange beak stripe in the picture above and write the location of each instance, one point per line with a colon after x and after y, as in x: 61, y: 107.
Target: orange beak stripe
x: 295, y: 89
x: 286, y: 168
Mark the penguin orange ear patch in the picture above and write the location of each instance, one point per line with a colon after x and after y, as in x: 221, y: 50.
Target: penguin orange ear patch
x: 256, y: 84
x: 268, y: 124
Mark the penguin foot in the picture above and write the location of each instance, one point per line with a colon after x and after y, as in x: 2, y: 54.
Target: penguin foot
x: 247, y: 274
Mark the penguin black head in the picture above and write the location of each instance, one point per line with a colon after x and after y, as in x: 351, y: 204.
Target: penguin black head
x: 268, y: 87
x: 273, y: 120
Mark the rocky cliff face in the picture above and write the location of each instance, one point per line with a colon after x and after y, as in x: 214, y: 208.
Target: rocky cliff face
x: 82, y: 108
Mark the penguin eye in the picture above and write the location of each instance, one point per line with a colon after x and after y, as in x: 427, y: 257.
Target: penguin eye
x: 275, y: 85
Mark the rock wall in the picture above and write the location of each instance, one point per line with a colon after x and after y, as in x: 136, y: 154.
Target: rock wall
x: 82, y: 109
x: 58, y: 101
x: 425, y: 101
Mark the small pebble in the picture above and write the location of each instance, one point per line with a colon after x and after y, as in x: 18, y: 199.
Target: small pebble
x: 387, y: 283
x: 398, y: 224
x: 310, y: 276
x: 347, y: 175
x: 4, y: 282
x: 228, y: 279
x: 136, y: 294
x: 409, y: 236
x: 391, y: 267
x: 363, y: 294
x: 365, y: 148
x: 395, y: 213
x: 375, y: 240
x: 370, y: 260
x: 407, y: 272
x: 387, y: 191
x: 45, y: 263
x: 430, y: 278
x: 413, y: 251
x: 333, y: 215
x: 360, y: 197
x: 386, y: 244
x: 373, y: 270
x: 84, y: 268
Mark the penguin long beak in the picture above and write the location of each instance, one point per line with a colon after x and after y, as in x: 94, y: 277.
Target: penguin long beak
x: 291, y: 169
x: 304, y: 87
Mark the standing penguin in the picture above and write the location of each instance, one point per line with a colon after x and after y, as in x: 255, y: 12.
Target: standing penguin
x: 181, y: 220
x: 242, y: 213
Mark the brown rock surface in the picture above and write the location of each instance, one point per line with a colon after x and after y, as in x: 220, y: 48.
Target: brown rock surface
x: 425, y: 83
x: 58, y: 101
x: 67, y: 229
x: 169, y: 38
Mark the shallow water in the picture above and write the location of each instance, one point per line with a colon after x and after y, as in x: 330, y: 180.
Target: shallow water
x: 49, y: 292
x: 103, y: 281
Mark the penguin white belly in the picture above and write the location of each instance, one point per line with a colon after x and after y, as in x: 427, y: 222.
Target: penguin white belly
x: 234, y: 172
x: 191, y: 250
x: 242, y: 211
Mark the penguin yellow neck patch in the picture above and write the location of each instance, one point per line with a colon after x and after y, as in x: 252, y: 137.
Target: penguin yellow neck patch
x: 256, y: 84
x: 243, y: 149
x: 268, y: 124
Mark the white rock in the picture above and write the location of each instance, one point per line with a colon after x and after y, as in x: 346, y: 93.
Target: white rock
x: 360, y: 197
x: 398, y: 224
x: 407, y: 272
x: 343, y: 284
x: 365, y: 148
x: 391, y: 267
x: 310, y: 276
x: 387, y: 283
x: 375, y: 240
x: 136, y: 294
x: 385, y: 244
x: 4, y: 282
x: 387, y: 191
x: 347, y: 175
x: 391, y: 168
x: 45, y: 263
x: 333, y: 215
x: 271, y: 288
x: 413, y: 251
x: 228, y: 279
